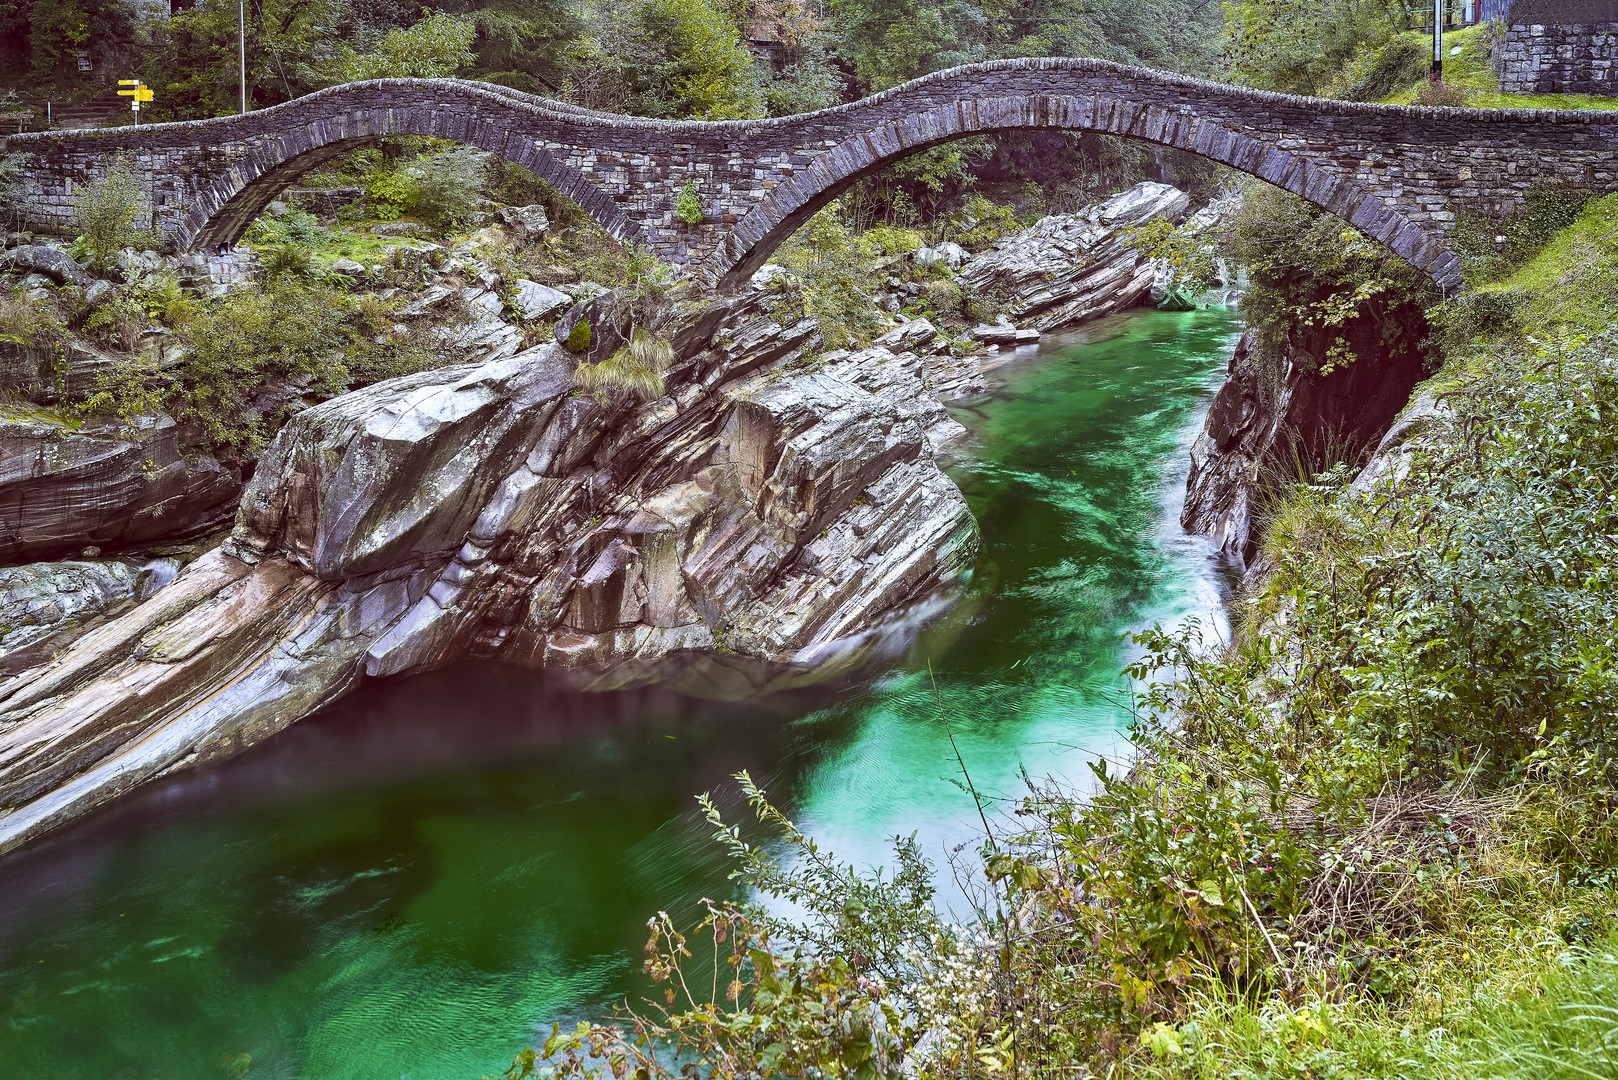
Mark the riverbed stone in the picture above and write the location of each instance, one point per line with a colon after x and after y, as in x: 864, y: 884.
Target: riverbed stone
x: 1070, y: 268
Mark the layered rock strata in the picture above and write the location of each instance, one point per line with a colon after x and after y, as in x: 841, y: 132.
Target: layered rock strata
x: 66, y: 485
x: 1070, y: 268
x: 770, y: 513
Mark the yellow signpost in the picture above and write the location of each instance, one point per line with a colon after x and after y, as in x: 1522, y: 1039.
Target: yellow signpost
x: 138, y: 92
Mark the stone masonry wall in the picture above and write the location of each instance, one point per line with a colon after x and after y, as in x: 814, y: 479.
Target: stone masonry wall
x: 1535, y: 59
x: 1399, y: 173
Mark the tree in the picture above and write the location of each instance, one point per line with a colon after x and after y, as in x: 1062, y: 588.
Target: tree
x: 434, y: 47
x: 109, y: 210
x: 681, y: 59
x: 40, y: 39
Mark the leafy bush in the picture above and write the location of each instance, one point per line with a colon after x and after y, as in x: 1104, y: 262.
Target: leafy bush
x: 108, y: 212
x: 251, y: 354
x: 285, y: 261
x: 1322, y: 287
x: 1191, y: 259
x: 1301, y: 46
x: 446, y: 187
x: 688, y: 206
x: 434, y: 47
x: 978, y: 224
x: 831, y: 268
x: 116, y: 322
x: 1378, y: 71
x: 294, y: 227
x: 164, y: 300
x: 389, y: 192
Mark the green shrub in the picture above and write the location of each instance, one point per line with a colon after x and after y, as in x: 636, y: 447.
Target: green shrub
x: 688, y: 206
x: 891, y: 240
x: 578, y: 338
x: 446, y: 187
x: 1320, y: 286
x: 389, y: 192
x: 294, y: 227
x: 288, y: 261
x: 109, y: 210
x: 831, y: 266
x: 978, y: 224
x: 1378, y: 71
x: 292, y: 339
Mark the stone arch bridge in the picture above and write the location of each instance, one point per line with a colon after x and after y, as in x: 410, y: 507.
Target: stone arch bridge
x: 1399, y: 173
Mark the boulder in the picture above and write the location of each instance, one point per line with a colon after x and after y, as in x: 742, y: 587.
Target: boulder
x: 1069, y: 268
x: 53, y: 263
x: 66, y: 484
x: 1005, y: 334
x: 394, y: 474
x: 484, y: 332
x: 400, y: 228
x: 41, y: 600
x: 533, y: 301
x: 526, y: 221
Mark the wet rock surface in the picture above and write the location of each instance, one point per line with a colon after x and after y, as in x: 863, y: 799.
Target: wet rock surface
x: 66, y: 484
x: 757, y: 527
x: 1069, y: 268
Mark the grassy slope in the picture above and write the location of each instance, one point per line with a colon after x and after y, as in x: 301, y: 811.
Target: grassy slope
x: 1469, y: 70
x: 1498, y: 992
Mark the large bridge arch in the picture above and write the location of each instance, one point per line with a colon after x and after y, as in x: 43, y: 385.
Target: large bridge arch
x: 786, y: 208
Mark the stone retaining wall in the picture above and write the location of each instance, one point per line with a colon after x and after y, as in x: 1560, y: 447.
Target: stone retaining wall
x: 1535, y: 59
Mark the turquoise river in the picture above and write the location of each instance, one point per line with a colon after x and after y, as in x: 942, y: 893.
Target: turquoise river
x: 415, y: 881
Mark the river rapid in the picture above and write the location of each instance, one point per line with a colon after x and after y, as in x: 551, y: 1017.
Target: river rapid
x: 418, y: 879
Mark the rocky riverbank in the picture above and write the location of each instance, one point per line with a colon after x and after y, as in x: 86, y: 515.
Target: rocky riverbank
x: 1273, y: 417
x: 771, y: 512
x: 775, y: 515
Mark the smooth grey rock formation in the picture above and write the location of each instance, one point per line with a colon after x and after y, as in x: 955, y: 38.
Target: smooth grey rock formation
x: 400, y: 228
x: 396, y: 472
x: 39, y: 600
x: 1069, y: 268
x: 533, y: 301
x: 67, y: 484
x: 763, y: 525
x: 484, y: 333
x: 52, y: 262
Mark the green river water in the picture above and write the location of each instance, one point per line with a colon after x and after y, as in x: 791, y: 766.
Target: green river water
x: 419, y: 878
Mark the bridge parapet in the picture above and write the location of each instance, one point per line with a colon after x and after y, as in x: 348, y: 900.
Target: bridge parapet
x: 1400, y: 173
